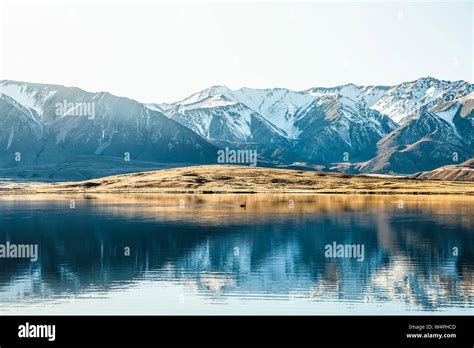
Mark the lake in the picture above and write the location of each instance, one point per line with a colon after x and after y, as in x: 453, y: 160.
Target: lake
x: 238, y: 254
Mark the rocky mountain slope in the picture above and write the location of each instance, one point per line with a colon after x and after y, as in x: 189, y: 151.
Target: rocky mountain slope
x: 40, y: 124
x: 461, y: 172
x: 412, y: 127
x: 415, y: 126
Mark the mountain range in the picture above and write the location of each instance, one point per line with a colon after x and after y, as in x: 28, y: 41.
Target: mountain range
x: 412, y: 127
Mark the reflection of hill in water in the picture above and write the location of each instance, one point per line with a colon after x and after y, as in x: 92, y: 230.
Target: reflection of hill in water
x: 408, y: 251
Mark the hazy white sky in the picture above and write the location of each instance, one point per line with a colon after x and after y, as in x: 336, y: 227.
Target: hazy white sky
x: 161, y: 52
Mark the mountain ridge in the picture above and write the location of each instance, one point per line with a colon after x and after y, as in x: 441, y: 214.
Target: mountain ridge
x: 284, y: 109
x: 112, y: 126
x: 412, y: 127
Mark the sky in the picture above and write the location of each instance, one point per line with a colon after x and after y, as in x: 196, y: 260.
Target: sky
x: 166, y: 51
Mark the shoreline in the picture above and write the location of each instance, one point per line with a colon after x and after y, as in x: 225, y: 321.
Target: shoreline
x: 228, y: 179
x: 301, y: 193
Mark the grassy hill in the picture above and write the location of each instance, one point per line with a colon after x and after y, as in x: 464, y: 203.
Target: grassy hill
x: 242, y: 179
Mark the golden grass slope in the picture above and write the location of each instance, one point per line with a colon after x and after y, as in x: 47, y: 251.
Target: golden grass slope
x: 242, y: 179
x: 460, y: 172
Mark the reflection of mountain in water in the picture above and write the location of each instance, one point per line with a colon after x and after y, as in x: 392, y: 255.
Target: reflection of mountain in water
x: 265, y: 249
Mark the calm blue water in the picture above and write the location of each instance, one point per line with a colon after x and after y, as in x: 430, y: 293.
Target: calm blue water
x: 210, y: 255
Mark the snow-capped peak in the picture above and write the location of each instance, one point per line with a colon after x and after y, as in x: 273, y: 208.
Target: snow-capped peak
x: 205, y: 94
x: 279, y: 106
x: 402, y: 101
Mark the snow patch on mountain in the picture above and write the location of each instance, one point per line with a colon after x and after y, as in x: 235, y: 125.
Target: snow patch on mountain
x: 448, y: 115
x: 23, y: 94
x: 277, y: 106
x: 403, y: 101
